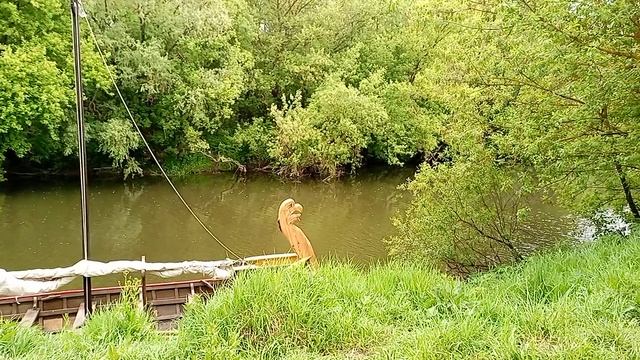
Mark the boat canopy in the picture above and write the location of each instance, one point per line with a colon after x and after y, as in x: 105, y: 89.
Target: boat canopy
x: 28, y: 282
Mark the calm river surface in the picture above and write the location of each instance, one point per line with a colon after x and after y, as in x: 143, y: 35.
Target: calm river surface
x: 346, y: 219
x: 40, y: 222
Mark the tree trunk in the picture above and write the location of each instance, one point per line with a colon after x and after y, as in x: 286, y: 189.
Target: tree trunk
x: 627, y: 191
x: 604, y: 116
x: 143, y: 30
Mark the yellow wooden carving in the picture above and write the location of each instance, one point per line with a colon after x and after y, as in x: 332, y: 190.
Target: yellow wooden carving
x: 288, y: 217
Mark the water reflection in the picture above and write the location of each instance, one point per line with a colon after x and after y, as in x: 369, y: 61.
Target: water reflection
x: 40, y: 223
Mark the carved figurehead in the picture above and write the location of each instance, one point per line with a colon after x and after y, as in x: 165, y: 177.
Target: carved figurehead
x: 288, y: 217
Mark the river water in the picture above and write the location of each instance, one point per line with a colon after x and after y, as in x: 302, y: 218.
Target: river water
x: 40, y: 221
x: 346, y: 219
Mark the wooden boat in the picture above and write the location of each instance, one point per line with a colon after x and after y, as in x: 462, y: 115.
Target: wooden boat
x: 57, y: 310
x: 54, y: 311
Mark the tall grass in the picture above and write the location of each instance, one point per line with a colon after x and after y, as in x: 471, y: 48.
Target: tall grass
x: 581, y: 303
x: 119, y: 331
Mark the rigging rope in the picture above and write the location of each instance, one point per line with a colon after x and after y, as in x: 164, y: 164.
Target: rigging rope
x: 144, y: 140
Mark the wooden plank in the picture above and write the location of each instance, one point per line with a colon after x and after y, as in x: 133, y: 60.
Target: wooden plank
x: 50, y: 313
x: 76, y: 293
x: 178, y: 306
x: 168, y: 317
x: 271, y: 258
x: 30, y: 317
x: 52, y: 325
x: 80, y: 317
x: 143, y: 286
x: 167, y: 301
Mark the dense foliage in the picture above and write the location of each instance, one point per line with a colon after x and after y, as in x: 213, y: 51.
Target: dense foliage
x: 504, y: 100
x: 545, y: 91
x: 299, y: 86
x: 577, y: 304
x: 36, y: 118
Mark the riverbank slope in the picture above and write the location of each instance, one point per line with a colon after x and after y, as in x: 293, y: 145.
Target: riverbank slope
x: 575, y: 303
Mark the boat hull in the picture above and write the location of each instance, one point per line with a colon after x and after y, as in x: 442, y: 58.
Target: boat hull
x: 59, y: 310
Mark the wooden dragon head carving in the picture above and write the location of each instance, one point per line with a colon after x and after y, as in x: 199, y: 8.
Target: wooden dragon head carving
x: 288, y: 217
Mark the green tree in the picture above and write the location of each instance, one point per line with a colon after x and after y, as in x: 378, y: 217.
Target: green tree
x: 330, y: 133
x: 36, y: 102
x: 559, y: 80
x: 467, y: 215
x: 37, y: 119
x: 202, y: 77
x: 178, y: 64
x: 548, y: 86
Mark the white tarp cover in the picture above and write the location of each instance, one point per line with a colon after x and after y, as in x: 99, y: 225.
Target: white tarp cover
x: 28, y: 282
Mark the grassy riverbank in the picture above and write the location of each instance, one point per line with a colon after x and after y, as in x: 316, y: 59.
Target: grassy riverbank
x: 580, y: 303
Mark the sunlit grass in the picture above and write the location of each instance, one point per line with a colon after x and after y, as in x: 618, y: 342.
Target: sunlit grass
x: 569, y: 304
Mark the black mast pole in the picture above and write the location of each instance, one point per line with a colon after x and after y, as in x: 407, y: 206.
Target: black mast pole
x: 82, y: 152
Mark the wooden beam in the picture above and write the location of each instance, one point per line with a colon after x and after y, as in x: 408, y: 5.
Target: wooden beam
x: 30, y: 317
x: 80, y: 317
x: 171, y: 301
x: 168, y: 317
x: 271, y: 259
x: 143, y: 286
